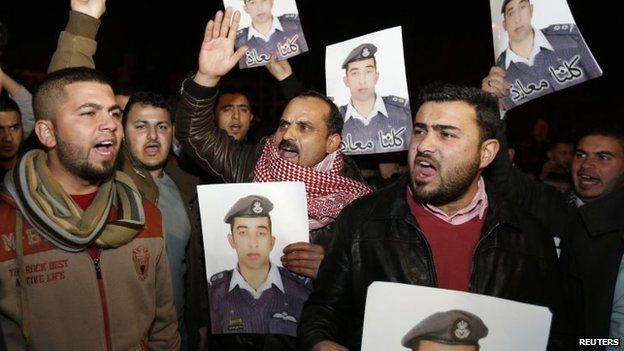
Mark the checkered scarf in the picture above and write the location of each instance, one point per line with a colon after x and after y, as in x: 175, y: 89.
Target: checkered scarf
x: 327, y: 191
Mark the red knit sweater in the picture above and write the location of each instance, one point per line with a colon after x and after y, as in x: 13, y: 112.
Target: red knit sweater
x: 452, y: 246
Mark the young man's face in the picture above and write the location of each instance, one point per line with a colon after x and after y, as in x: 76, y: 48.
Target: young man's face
x: 517, y: 20
x: 86, y: 133
x: 259, y: 10
x: 233, y: 115
x: 11, y: 135
x: 302, y: 136
x: 361, y: 78
x: 445, y: 154
x: 597, y: 167
x: 251, y: 238
x: 149, y: 134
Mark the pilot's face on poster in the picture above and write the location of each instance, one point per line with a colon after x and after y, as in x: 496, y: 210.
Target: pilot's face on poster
x: 517, y: 20
x: 361, y: 78
x: 251, y: 238
x: 259, y: 10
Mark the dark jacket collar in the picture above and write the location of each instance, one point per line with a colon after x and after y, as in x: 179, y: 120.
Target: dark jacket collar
x: 392, y: 204
x: 604, y: 215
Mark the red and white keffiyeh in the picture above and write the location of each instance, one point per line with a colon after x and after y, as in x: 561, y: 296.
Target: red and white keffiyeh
x: 327, y: 191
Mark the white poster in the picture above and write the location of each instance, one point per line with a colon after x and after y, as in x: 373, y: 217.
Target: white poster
x: 402, y: 316
x: 366, y: 78
x: 540, y: 47
x: 268, y: 27
x: 245, y: 227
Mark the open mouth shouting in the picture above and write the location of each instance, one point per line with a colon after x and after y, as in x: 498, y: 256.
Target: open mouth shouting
x: 106, y: 148
x: 425, y: 168
x: 288, y: 150
x: 234, y: 128
x: 152, y: 149
x: 587, y: 179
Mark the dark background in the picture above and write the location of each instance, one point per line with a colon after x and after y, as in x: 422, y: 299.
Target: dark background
x: 155, y: 44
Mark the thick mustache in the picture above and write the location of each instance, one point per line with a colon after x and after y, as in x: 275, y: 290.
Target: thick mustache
x: 288, y: 145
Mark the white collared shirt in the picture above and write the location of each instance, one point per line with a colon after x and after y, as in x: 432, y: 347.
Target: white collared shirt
x: 539, y: 42
x: 273, y: 278
x: 379, y: 107
x: 276, y: 25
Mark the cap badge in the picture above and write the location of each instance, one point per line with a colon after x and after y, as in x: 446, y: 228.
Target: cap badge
x: 365, y: 52
x: 461, y: 331
x: 257, y: 207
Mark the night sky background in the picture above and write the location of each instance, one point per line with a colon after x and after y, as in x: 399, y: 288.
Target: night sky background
x: 155, y: 45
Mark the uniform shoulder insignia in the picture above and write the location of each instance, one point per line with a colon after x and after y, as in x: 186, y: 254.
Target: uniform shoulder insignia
x: 242, y: 32
x: 395, y: 100
x: 220, y: 277
x: 289, y: 16
x: 561, y: 29
x: 292, y: 276
x: 500, y: 61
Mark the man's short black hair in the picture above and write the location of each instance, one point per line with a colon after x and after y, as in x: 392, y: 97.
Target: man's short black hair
x: 616, y: 133
x: 8, y: 105
x: 485, y: 104
x: 50, y: 92
x: 146, y: 98
x: 231, y: 89
x: 335, y: 122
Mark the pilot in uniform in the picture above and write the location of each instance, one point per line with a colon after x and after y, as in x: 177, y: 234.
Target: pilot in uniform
x: 390, y: 127
x: 561, y: 60
x: 274, y: 308
x: 285, y: 39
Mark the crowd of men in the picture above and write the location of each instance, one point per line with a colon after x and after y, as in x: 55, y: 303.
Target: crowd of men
x: 101, y: 238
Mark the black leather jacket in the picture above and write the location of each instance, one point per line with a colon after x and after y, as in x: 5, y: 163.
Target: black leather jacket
x: 376, y: 238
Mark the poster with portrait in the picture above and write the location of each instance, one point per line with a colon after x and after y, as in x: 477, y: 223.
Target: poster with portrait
x: 540, y: 47
x: 399, y: 317
x: 366, y: 77
x: 245, y: 227
x: 268, y: 27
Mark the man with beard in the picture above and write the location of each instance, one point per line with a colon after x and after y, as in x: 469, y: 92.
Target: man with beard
x: 304, y: 148
x: 442, y: 227
x: 83, y: 264
x: 148, y: 132
x: 588, y: 220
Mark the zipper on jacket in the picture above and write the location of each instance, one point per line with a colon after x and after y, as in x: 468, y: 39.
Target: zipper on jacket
x: 474, y: 253
x: 94, y: 253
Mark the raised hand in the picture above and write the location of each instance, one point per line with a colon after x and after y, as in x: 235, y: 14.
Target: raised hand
x: 217, y: 56
x: 93, y: 8
x: 495, y: 83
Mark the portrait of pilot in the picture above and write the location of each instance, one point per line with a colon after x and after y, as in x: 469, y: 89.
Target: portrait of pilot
x: 372, y: 123
x: 255, y: 296
x: 268, y: 34
x: 454, y: 330
x: 541, y: 61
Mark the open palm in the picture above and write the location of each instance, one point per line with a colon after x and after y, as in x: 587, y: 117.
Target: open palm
x: 217, y: 55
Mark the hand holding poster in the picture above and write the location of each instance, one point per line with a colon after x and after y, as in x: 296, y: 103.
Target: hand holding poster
x: 540, y: 47
x: 403, y: 316
x: 245, y: 228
